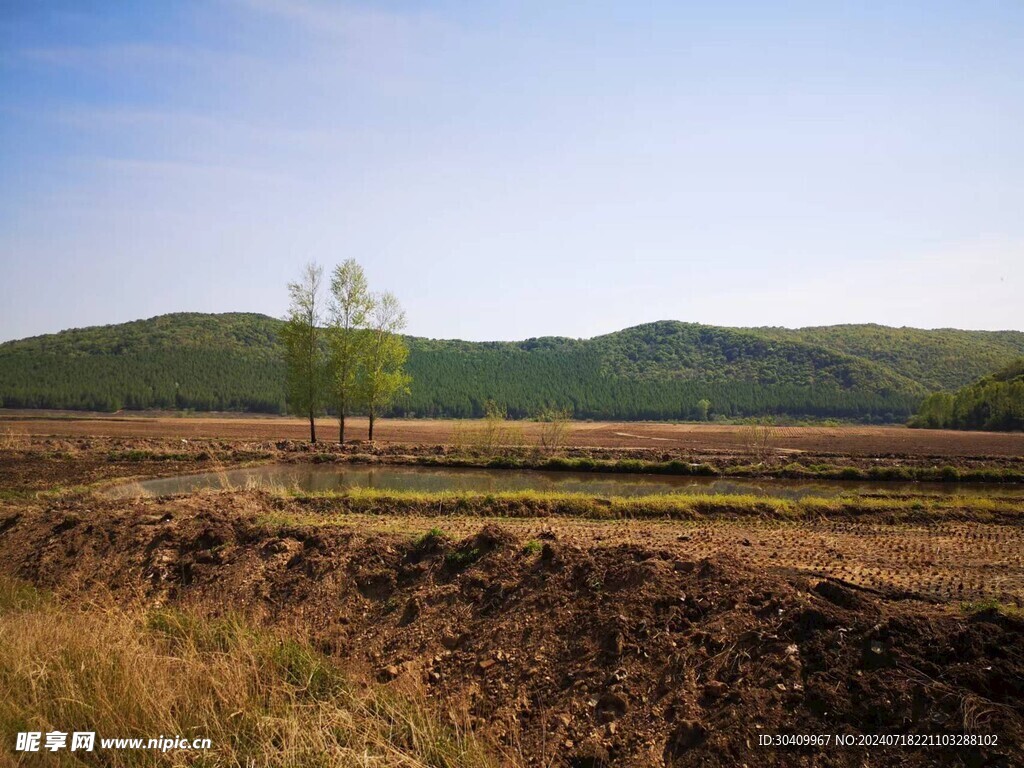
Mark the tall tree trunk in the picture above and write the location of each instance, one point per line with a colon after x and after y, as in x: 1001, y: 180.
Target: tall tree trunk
x: 312, y: 428
x: 371, y: 425
x: 341, y: 425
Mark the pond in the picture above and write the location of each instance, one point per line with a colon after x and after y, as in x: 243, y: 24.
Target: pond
x: 312, y: 477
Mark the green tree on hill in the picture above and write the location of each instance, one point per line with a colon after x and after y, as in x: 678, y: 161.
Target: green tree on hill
x: 236, y: 362
x: 305, y: 361
x: 348, y: 337
x: 936, y: 412
x: 703, y: 408
x: 383, y: 376
x: 995, y: 402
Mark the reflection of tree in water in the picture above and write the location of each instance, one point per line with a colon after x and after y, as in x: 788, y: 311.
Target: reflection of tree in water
x: 424, y: 480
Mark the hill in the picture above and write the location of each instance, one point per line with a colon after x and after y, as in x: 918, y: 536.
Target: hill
x: 938, y: 359
x: 654, y: 371
x: 995, y: 402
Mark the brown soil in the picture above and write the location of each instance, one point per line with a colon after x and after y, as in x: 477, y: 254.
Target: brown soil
x: 949, y: 562
x: 42, y: 464
x: 606, y: 643
x: 701, y: 438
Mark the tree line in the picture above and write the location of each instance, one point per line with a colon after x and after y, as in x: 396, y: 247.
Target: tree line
x: 458, y: 381
x: 342, y: 348
x: 195, y: 369
x: 236, y: 362
x: 995, y: 402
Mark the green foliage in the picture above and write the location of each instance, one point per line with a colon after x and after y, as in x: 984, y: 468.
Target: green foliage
x: 591, y: 378
x: 382, y: 377
x: 431, y: 538
x: 937, y: 359
x: 306, y: 369
x: 462, y: 558
x: 348, y: 340
x: 703, y: 408
x: 935, y: 412
x: 991, y: 605
x: 995, y: 402
x: 686, y: 352
x: 659, y: 371
x: 230, y: 362
x: 305, y: 366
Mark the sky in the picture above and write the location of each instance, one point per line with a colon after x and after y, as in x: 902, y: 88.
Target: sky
x: 512, y: 170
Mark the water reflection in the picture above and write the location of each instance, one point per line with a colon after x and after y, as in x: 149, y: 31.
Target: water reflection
x: 423, y: 479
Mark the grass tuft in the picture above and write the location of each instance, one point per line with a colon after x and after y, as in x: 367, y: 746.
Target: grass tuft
x: 991, y: 604
x: 532, y: 547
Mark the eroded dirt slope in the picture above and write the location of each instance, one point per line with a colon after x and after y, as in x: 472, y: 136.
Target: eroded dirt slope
x: 572, y: 652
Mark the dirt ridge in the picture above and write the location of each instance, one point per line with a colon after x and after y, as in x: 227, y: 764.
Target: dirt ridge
x: 582, y: 656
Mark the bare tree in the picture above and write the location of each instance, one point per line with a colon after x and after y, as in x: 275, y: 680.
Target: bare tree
x: 496, y: 432
x: 554, y: 427
x: 383, y: 376
x: 760, y: 439
x: 304, y: 355
x: 351, y: 304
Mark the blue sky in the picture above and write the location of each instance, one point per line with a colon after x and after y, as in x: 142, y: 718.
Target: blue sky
x: 516, y: 169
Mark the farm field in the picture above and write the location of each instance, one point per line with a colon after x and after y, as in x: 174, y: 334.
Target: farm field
x: 852, y: 440
x: 566, y: 630
x: 948, y: 562
x: 390, y: 385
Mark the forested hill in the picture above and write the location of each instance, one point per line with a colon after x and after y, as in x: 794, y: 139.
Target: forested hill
x: 941, y: 359
x: 995, y: 402
x: 655, y: 371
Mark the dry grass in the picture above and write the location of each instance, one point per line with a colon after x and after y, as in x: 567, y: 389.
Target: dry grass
x: 520, y: 504
x: 262, y: 700
x: 554, y: 428
x: 760, y: 439
x: 490, y: 436
x: 495, y: 434
x: 11, y: 440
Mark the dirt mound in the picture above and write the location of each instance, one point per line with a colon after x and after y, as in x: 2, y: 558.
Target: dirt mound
x: 574, y: 655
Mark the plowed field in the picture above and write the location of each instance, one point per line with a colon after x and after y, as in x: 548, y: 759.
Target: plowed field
x: 848, y: 440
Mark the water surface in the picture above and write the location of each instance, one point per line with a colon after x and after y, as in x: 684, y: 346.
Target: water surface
x: 314, y: 477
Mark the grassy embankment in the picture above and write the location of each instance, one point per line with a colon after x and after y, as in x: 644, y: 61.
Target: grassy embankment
x: 261, y: 698
x: 792, y: 471
x: 319, y: 507
x: 538, y: 461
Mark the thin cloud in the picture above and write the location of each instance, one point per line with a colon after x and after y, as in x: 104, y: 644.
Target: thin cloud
x: 131, y: 55
x: 165, y: 169
x: 178, y: 122
x: 356, y: 24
